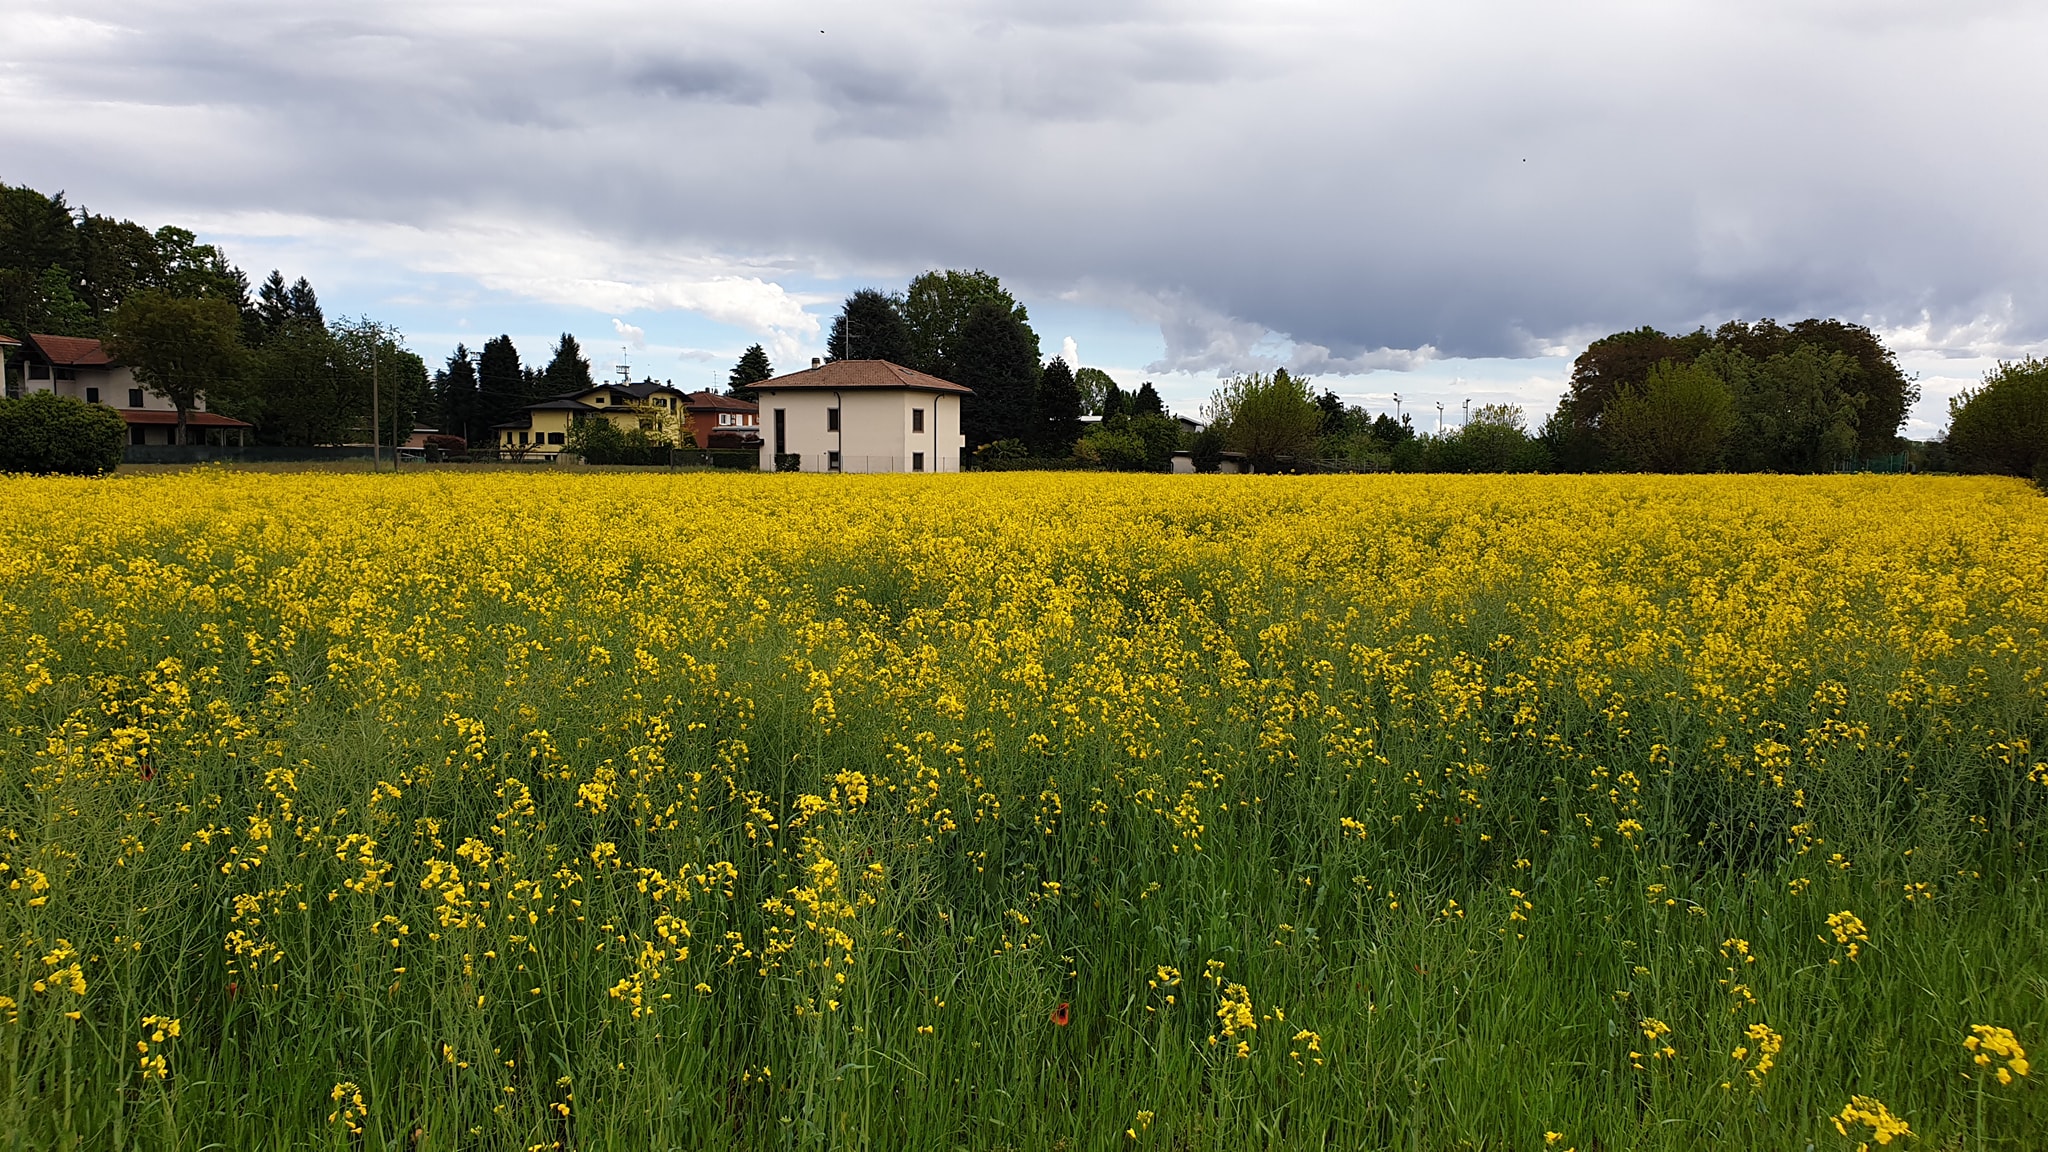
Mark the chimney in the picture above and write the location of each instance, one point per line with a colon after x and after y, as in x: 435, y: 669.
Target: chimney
x: 816, y: 361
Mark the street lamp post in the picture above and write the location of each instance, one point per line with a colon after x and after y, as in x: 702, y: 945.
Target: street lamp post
x: 1439, y: 417
x: 1397, y: 407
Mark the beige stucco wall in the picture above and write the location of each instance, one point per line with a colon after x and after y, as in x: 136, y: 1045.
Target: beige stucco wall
x: 113, y: 384
x: 874, y: 432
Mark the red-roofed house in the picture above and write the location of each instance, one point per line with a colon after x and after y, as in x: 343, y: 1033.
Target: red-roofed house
x: 861, y: 416
x: 79, y: 367
x: 721, y: 421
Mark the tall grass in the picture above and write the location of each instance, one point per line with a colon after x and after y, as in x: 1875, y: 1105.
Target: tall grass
x: 794, y: 812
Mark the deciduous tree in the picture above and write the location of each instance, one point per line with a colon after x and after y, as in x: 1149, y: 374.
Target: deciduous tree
x: 938, y: 309
x: 1095, y: 385
x: 2002, y: 424
x: 1266, y: 417
x: 1678, y: 420
x: 179, y: 347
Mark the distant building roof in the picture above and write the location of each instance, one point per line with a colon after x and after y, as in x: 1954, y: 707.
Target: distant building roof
x: 70, y: 351
x: 847, y: 375
x: 5, y: 339
x: 639, y: 391
x: 719, y: 400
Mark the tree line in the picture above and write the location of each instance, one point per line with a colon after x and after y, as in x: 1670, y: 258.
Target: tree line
x: 1813, y: 396
x: 183, y: 317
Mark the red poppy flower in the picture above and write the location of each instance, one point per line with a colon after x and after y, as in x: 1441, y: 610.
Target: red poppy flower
x: 1061, y: 1014
x: 148, y: 772
x: 232, y: 989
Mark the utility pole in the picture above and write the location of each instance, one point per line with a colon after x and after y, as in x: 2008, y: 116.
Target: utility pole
x: 376, y: 420
x: 396, y: 439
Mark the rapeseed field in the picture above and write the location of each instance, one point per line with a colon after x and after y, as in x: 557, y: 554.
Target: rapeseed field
x: 551, y: 811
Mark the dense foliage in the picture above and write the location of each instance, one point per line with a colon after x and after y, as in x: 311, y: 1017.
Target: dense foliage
x: 44, y: 433
x: 1806, y: 397
x: 1057, y: 812
x: 2002, y: 425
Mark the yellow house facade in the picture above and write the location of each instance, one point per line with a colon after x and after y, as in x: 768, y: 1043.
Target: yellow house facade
x: 542, y: 430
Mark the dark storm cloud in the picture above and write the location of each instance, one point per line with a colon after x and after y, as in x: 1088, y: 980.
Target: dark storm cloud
x: 685, y: 79
x: 1359, y: 183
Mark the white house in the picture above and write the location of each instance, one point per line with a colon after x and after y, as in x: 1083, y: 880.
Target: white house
x: 861, y: 416
x: 80, y: 367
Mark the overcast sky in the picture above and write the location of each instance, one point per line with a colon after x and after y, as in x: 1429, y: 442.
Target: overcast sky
x: 1435, y: 197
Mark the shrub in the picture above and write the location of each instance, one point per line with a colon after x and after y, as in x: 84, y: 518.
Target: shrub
x: 1131, y: 443
x: 1001, y: 451
x: 45, y: 432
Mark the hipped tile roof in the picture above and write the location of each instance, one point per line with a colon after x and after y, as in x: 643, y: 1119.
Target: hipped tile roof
x: 846, y: 375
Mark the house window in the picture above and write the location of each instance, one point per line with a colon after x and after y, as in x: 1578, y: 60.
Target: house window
x: 39, y: 371
x: 138, y: 435
x: 67, y: 373
x: 831, y: 419
x: 917, y: 419
x: 555, y: 438
x: 522, y: 437
x: 832, y: 458
x: 781, y: 428
x: 92, y: 395
x: 725, y: 419
x: 135, y: 397
x: 917, y: 461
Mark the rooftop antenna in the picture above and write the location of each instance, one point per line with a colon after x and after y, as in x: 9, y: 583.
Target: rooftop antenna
x: 624, y: 368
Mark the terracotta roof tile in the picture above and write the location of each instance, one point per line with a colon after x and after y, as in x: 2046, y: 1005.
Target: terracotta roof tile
x: 71, y: 351
x: 708, y: 399
x: 850, y: 374
x: 154, y: 417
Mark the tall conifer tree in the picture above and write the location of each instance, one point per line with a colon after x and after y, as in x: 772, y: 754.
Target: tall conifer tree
x: 1059, y: 410
x: 753, y: 367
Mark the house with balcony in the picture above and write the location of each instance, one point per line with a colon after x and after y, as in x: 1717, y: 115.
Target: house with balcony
x: 861, y: 416
x: 541, y: 431
x: 80, y: 367
x: 724, y: 422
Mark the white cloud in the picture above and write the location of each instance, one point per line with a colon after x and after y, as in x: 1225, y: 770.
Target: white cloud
x: 631, y: 334
x: 574, y: 268
x: 1070, y: 351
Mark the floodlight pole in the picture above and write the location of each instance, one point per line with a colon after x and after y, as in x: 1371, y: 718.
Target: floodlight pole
x: 376, y: 419
x: 1439, y: 417
x: 1468, y: 411
x: 1397, y: 407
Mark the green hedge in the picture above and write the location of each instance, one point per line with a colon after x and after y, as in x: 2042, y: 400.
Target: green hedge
x: 45, y: 432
